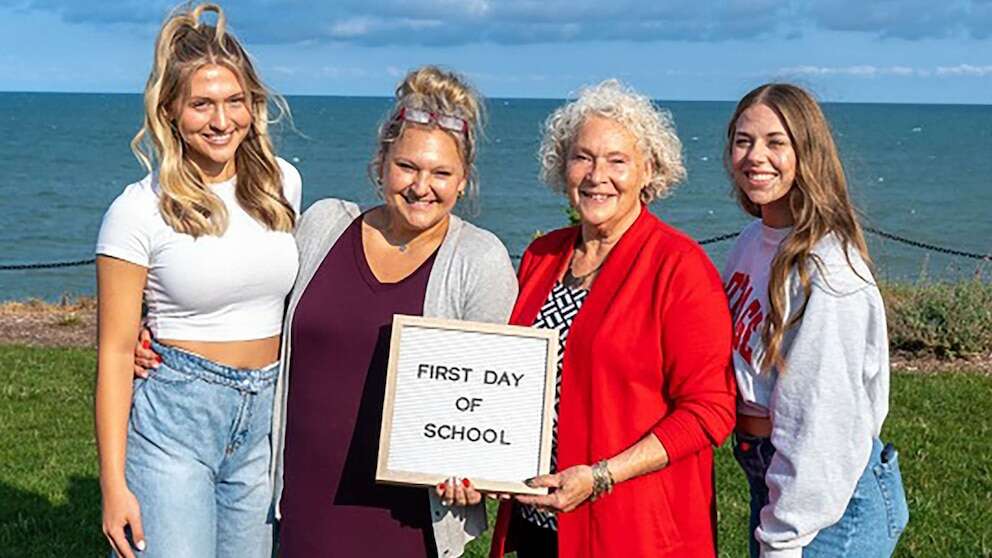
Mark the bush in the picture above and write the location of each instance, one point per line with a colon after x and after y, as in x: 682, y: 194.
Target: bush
x: 947, y: 320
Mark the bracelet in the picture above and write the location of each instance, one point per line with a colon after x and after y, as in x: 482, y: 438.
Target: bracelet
x: 602, y: 480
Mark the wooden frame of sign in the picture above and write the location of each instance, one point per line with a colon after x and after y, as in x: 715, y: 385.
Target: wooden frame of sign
x: 467, y: 399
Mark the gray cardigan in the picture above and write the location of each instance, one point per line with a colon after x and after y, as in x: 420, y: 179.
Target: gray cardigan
x: 472, y: 279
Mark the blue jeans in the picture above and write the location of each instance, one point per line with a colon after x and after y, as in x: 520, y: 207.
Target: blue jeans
x: 873, y: 521
x: 198, y: 457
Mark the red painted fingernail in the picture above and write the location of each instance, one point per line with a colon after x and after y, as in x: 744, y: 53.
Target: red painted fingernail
x: 466, y: 483
x: 146, y: 344
x: 745, y: 446
x: 440, y: 486
x: 158, y: 359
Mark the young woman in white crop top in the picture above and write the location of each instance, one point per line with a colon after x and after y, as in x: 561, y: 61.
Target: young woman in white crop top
x: 810, y: 348
x: 206, y: 241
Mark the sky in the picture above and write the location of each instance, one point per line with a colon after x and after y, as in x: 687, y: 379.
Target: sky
x: 915, y: 51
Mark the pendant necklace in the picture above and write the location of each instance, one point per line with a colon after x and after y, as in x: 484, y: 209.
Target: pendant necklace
x: 574, y: 281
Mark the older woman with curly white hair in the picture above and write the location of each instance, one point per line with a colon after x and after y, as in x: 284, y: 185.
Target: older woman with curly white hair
x: 644, y: 386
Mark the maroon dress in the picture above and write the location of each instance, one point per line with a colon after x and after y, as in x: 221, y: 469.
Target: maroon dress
x: 331, y: 505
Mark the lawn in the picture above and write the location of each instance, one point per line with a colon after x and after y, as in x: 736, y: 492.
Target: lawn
x: 50, y: 498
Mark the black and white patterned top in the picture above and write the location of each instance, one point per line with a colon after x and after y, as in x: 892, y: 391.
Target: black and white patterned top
x: 558, y: 311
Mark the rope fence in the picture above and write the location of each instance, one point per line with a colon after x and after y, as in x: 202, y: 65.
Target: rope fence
x: 705, y: 241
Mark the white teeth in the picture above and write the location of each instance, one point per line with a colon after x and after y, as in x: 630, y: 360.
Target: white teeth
x: 218, y: 139
x: 596, y: 197
x: 760, y: 175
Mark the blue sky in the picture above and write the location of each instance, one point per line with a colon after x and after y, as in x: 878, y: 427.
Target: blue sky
x: 932, y: 51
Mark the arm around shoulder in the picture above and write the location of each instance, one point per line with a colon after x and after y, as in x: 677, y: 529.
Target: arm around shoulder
x: 320, y: 215
x: 492, y: 284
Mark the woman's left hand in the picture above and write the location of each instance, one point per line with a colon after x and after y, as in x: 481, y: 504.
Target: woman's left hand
x: 458, y: 492
x: 571, y: 487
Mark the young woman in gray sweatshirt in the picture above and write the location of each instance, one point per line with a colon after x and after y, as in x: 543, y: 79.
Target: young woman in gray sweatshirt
x: 810, y: 343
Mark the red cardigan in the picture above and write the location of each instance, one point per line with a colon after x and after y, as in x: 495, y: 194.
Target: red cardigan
x: 648, y: 352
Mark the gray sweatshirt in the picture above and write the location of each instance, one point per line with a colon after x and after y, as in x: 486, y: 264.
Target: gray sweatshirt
x: 471, y: 279
x: 831, y: 399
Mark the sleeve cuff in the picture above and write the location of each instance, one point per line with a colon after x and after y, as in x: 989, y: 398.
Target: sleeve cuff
x: 674, y: 433
x: 119, y: 253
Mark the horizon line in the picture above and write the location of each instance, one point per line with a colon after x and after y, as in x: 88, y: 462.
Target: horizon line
x: 500, y: 98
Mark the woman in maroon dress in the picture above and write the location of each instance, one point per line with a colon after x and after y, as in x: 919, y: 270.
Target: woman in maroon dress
x: 409, y: 255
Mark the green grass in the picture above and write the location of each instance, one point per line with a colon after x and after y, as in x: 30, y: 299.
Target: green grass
x: 49, y: 494
x: 50, y: 499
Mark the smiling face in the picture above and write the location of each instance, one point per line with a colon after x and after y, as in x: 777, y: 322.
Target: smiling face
x: 213, y: 120
x: 422, y: 175
x: 604, y: 174
x: 764, y: 163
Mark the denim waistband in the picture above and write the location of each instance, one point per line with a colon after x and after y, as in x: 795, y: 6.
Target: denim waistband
x: 754, y: 453
x: 251, y: 379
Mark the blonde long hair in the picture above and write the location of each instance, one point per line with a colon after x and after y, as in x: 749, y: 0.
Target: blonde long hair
x: 184, y: 45
x: 432, y: 89
x: 818, y: 200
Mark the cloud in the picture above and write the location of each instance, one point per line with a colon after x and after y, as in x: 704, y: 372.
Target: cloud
x: 457, y: 22
x: 906, y: 19
x: 964, y: 70
x: 861, y: 70
x: 452, y: 22
x: 868, y: 71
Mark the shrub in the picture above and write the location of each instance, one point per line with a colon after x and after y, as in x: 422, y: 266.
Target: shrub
x: 947, y: 320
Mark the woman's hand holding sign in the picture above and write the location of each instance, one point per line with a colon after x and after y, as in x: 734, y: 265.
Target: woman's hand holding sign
x: 458, y: 492
x: 570, y: 487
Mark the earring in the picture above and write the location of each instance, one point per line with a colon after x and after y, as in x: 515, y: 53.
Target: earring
x: 461, y: 194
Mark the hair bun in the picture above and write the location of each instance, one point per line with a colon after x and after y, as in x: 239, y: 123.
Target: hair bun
x: 435, y: 90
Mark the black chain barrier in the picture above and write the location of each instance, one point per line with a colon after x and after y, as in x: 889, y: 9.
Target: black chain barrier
x: 50, y: 265
x: 925, y: 246
x: 720, y: 238
x: 705, y: 241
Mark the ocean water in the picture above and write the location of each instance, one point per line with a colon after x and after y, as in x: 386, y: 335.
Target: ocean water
x: 919, y: 171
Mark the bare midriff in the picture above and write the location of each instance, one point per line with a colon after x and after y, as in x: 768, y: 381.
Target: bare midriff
x: 254, y: 353
x: 754, y: 426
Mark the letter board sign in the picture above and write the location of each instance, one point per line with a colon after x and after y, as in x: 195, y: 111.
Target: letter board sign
x: 467, y: 399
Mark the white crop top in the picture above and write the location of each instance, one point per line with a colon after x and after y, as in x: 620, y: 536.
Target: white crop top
x: 212, y: 288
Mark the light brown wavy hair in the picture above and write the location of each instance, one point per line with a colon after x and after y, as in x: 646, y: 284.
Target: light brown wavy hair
x: 185, y: 44
x: 818, y: 200
x: 432, y: 89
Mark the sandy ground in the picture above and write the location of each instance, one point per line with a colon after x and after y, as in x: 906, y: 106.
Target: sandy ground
x: 72, y: 323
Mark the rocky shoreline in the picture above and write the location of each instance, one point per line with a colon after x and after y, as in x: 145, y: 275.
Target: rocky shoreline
x: 72, y: 323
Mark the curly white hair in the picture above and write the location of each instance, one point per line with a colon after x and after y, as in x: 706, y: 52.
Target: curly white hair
x: 652, y: 126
